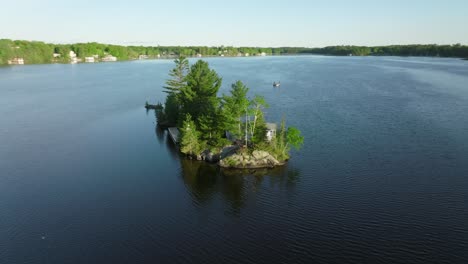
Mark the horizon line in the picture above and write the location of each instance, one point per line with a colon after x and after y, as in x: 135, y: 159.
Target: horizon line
x: 148, y: 44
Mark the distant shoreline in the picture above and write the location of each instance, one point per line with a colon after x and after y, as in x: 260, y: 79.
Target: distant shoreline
x: 19, y: 52
x: 230, y: 57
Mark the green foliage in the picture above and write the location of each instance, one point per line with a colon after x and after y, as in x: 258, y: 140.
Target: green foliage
x: 456, y: 50
x: 178, y: 76
x: 294, y: 138
x: 259, y: 135
x: 173, y: 87
x: 280, y: 143
x: 171, y: 110
x: 283, y: 141
x: 199, y: 96
x: 257, y: 104
x: 207, y: 116
x: 208, y: 124
x: 190, y: 143
x: 234, y: 108
x: 40, y: 52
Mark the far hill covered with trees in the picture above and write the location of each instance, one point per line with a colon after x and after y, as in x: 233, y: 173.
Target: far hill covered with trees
x: 35, y: 52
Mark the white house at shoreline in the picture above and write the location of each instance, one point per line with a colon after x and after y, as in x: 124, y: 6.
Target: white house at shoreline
x: 109, y: 58
x: 73, y: 58
x: 16, y: 61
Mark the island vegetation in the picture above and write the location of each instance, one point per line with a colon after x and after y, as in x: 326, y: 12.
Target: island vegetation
x: 36, y: 52
x: 230, y: 129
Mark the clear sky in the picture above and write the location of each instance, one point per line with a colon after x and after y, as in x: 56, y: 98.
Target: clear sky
x: 238, y: 23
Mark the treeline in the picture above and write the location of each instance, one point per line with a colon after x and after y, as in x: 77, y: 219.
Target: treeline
x: 456, y: 51
x: 34, y: 52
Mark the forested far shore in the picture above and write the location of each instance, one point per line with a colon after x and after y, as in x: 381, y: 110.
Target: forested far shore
x: 37, y: 52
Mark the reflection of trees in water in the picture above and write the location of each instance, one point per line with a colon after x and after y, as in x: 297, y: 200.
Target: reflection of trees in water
x: 200, y: 179
x: 162, y: 136
x: 204, y: 181
x: 159, y: 134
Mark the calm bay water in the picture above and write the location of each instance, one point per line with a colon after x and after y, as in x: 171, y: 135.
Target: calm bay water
x: 86, y: 177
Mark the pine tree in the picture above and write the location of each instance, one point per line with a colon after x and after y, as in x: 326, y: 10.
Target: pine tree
x: 234, y: 108
x: 190, y: 143
x: 178, y: 75
x: 199, y: 96
x: 173, y: 87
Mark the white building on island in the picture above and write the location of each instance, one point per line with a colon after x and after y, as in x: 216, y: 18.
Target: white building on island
x: 270, y: 131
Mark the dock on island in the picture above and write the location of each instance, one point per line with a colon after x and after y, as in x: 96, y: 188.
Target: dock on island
x: 174, y: 134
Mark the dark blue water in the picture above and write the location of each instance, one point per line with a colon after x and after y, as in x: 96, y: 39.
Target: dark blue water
x: 86, y: 177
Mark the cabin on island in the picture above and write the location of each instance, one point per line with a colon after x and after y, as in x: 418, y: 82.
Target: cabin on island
x: 270, y: 131
x: 109, y: 57
x: 89, y: 59
x: 16, y: 61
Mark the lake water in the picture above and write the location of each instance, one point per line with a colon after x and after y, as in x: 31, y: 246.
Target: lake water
x: 86, y: 177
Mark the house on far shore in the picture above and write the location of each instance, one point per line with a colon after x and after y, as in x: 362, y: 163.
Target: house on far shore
x: 109, y: 57
x: 143, y: 57
x: 73, y: 58
x: 247, y: 54
x: 16, y: 61
x: 56, y: 55
x: 89, y: 59
x: 199, y: 55
x: 263, y: 54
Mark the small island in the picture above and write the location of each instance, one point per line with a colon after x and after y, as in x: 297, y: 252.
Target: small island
x: 230, y: 130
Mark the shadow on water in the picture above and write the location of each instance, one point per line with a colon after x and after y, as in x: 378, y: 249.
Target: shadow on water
x: 206, y: 181
x: 164, y: 139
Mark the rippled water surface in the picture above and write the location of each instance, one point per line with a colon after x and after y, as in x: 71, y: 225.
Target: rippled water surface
x: 85, y: 177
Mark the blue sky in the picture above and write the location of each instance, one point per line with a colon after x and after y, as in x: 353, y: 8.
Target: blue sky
x: 238, y: 23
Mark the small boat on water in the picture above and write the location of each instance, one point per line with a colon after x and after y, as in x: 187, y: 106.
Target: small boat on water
x: 276, y: 84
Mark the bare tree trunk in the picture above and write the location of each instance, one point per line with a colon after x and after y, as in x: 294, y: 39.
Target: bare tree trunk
x: 246, y: 127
